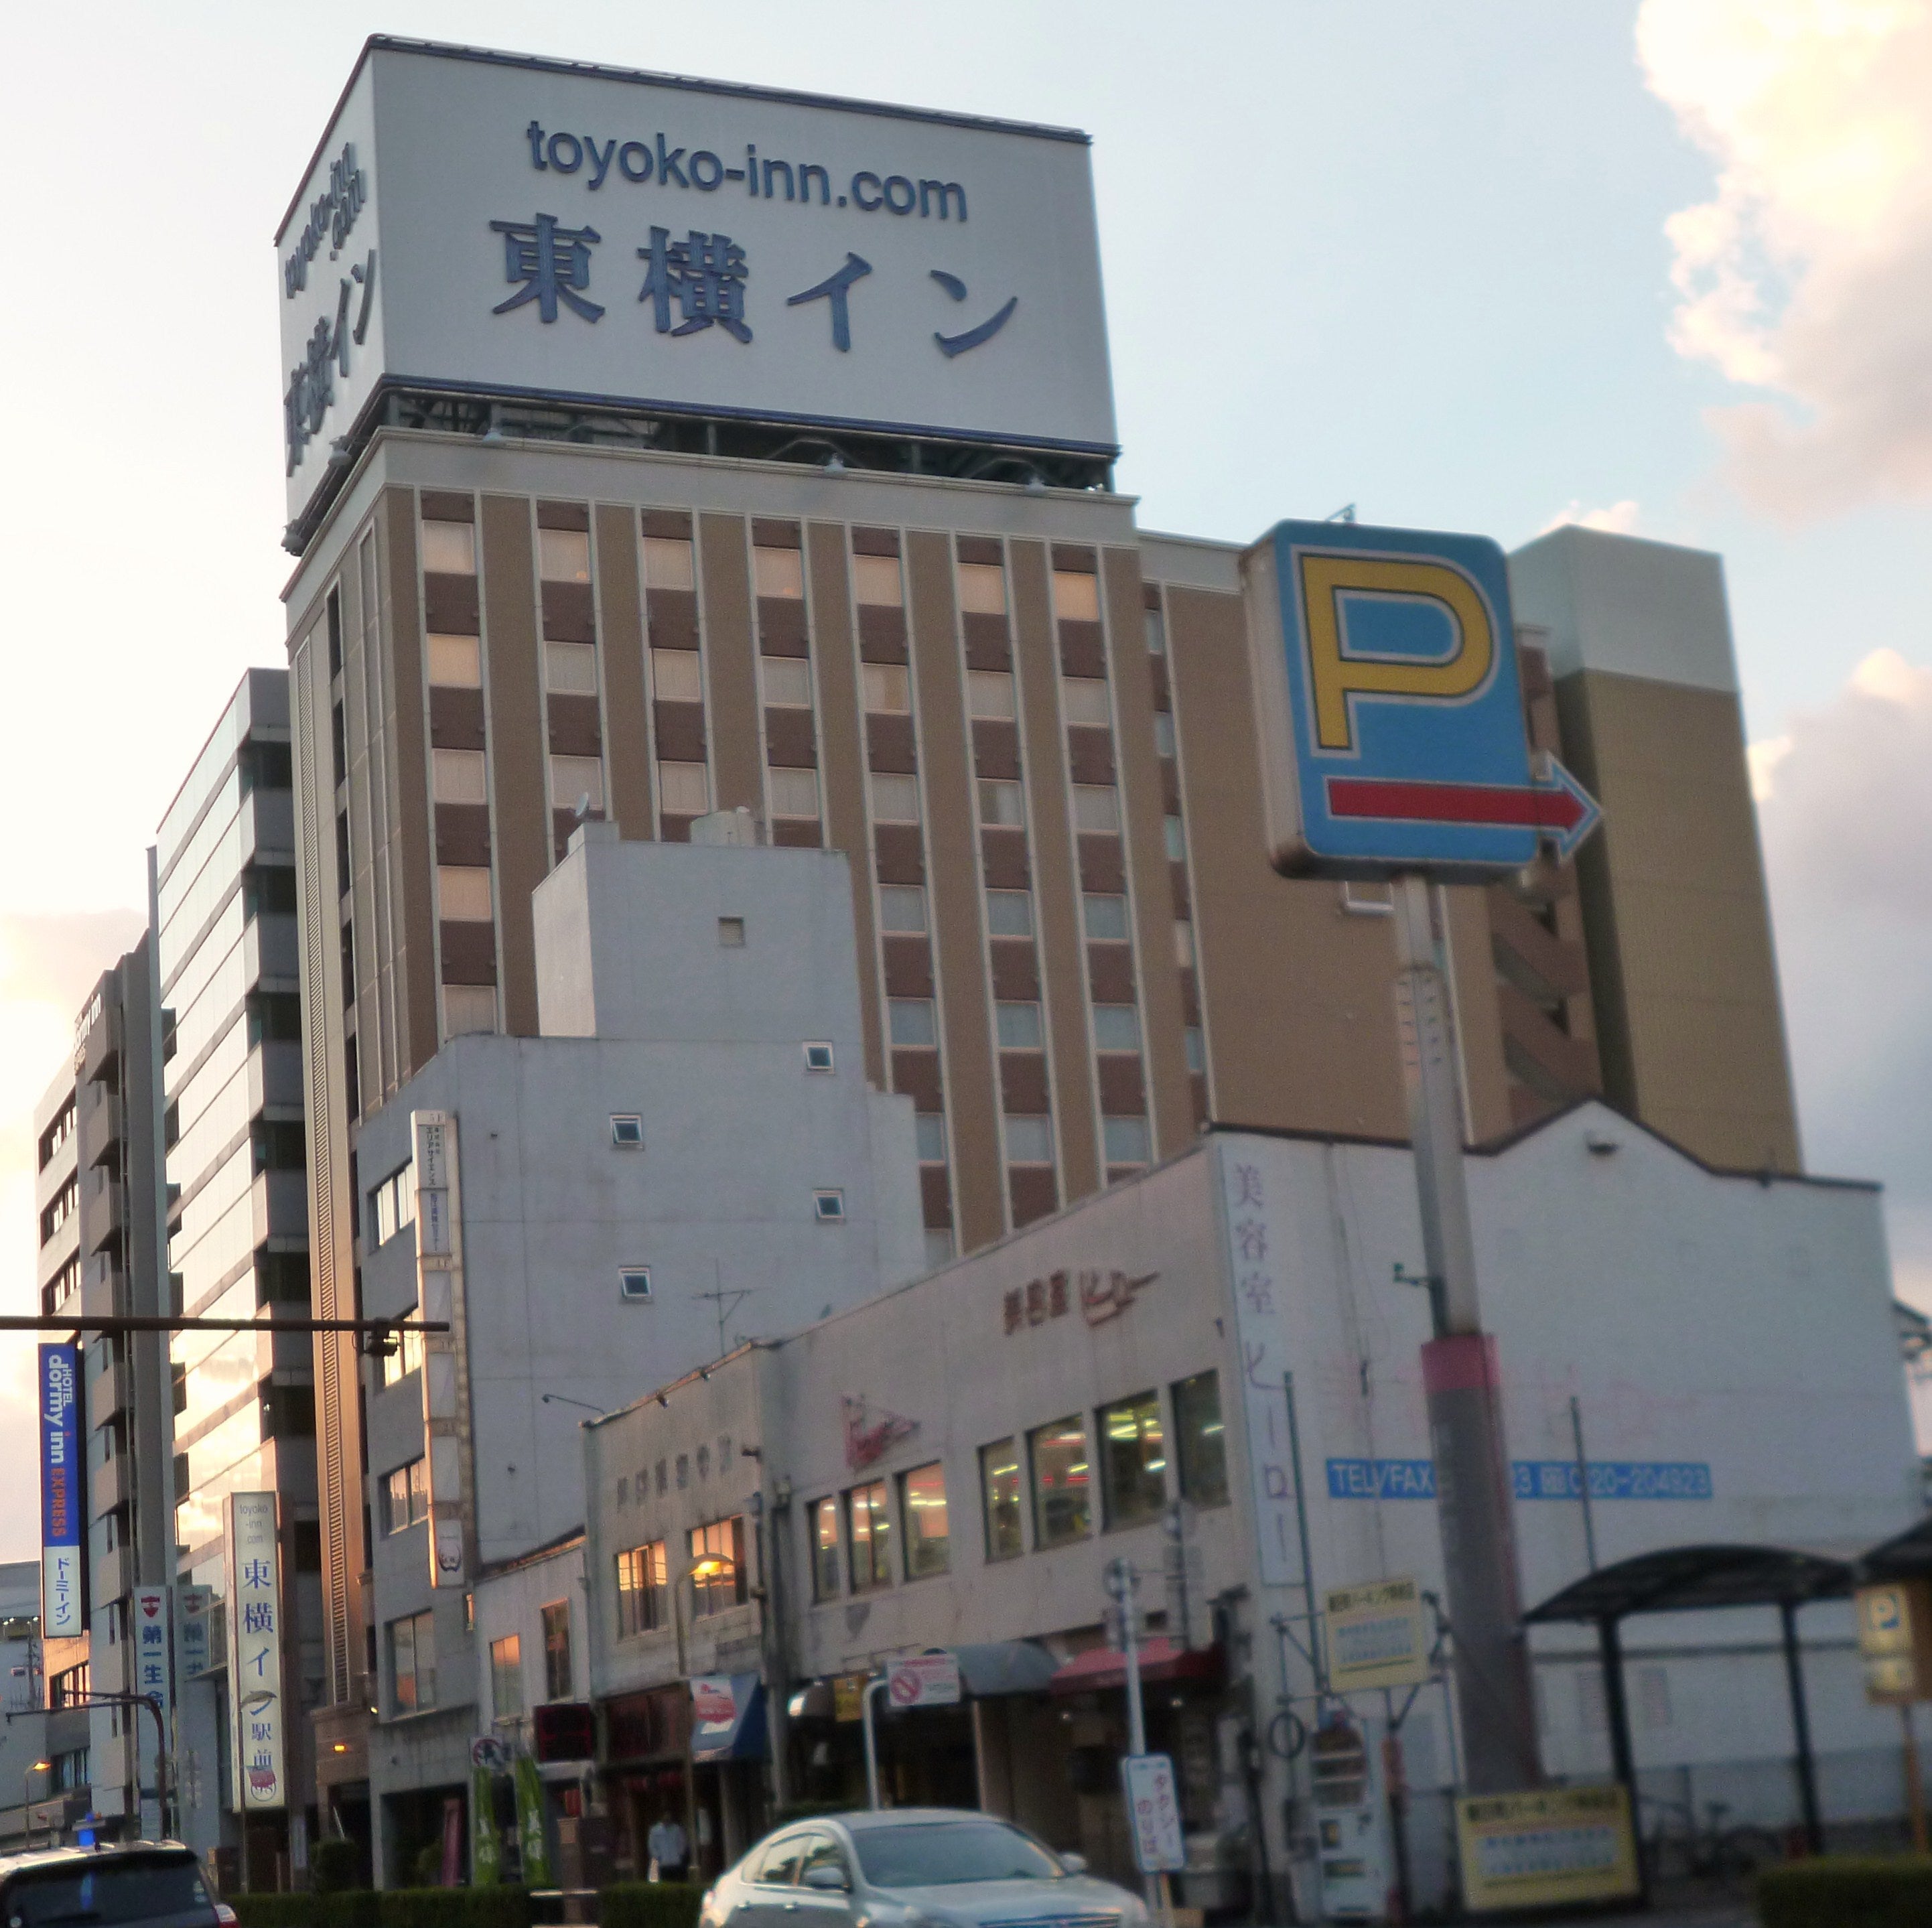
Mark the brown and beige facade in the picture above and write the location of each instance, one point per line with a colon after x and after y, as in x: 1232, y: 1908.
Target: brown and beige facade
x: 1029, y: 725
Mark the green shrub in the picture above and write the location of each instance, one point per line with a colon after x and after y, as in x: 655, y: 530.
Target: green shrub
x: 1844, y: 1891
x: 275, y: 1911
x: 649, y: 1904
x: 447, y: 1907
x: 334, y: 1864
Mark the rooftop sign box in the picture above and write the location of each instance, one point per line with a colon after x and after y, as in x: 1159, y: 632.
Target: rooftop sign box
x: 520, y: 228
x: 1390, y: 709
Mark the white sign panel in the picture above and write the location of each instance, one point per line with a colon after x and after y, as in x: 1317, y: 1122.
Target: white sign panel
x: 923, y: 1679
x: 521, y: 227
x: 192, y: 1606
x: 153, y: 1660
x: 1153, y: 1811
x: 256, y: 1719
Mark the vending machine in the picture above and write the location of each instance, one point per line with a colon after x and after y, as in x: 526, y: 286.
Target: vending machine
x: 1350, y: 1811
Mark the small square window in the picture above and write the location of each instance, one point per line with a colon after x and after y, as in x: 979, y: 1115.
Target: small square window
x: 1018, y: 1026
x: 633, y: 1282
x: 929, y: 1135
x: 627, y: 1130
x: 829, y: 1207
x: 818, y: 1058
x: 1009, y: 913
x: 731, y: 933
x: 1029, y: 1139
x: 1002, y: 804
x: 902, y: 909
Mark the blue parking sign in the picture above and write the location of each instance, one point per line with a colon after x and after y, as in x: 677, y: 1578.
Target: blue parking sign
x: 1392, y: 708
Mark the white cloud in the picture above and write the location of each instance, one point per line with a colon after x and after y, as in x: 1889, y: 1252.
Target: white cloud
x: 1809, y: 272
x: 1619, y: 519
x: 1844, y: 812
x: 48, y: 965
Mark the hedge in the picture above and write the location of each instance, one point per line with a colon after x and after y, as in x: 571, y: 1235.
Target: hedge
x: 649, y: 1904
x: 1842, y: 1891
x: 390, y: 1908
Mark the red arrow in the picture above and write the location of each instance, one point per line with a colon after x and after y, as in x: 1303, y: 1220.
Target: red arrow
x: 1532, y: 807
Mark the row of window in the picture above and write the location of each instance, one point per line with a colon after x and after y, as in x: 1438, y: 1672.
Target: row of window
x: 716, y: 1575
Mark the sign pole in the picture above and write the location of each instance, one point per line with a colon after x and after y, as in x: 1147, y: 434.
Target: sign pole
x: 1914, y: 1785
x: 875, y: 1686
x: 1493, y: 1695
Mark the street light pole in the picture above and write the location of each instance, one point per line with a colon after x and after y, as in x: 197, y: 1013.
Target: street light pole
x: 26, y: 1799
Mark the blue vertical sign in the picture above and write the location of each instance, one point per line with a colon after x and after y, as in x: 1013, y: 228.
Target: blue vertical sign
x: 62, y: 1615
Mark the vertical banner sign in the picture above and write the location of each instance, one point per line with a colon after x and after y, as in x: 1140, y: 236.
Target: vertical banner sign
x: 438, y: 1295
x: 153, y: 1678
x: 193, y: 1605
x: 62, y: 1616
x: 256, y: 1721
x: 1153, y: 1809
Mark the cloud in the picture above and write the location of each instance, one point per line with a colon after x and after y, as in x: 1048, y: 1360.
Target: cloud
x: 1844, y: 813
x: 1619, y: 519
x: 1809, y: 272
x: 48, y: 965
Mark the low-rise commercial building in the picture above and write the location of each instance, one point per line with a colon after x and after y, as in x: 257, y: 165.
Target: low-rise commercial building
x: 1177, y: 1374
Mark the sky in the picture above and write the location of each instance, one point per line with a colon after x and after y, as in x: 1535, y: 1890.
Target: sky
x: 1662, y: 266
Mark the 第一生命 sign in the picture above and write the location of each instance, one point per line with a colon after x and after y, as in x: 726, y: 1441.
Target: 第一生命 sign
x: 1390, y: 707
x: 523, y: 228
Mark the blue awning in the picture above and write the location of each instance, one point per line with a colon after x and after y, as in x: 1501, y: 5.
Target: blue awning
x: 741, y: 1737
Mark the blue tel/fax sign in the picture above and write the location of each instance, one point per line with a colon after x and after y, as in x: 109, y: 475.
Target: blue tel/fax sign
x: 1392, y: 708
x: 1529, y: 1479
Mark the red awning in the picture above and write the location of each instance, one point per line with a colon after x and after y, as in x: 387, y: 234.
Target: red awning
x: 1101, y: 1667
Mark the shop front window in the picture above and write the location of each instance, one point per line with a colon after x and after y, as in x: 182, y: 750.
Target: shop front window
x: 1062, y: 1483
x: 1133, y: 1460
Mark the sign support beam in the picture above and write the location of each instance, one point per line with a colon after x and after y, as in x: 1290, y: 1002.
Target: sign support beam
x: 1494, y: 1700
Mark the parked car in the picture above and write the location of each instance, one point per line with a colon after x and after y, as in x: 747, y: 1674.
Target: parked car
x: 913, y: 1867
x: 141, y: 1884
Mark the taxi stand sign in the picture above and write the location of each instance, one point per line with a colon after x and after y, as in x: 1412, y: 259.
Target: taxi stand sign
x: 1390, y: 709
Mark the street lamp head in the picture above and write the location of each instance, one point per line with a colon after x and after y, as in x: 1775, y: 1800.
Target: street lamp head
x: 41, y: 1768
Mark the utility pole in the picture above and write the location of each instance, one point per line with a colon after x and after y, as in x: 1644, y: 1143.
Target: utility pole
x: 1461, y: 1378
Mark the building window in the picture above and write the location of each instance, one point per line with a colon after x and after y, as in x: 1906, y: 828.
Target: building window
x: 392, y: 1205
x: 922, y: 1509
x: 634, y: 1283
x: 731, y: 934
x: 718, y: 1579
x: 1183, y: 943
x: 1105, y: 918
x: 627, y: 1131
x: 1133, y: 1460
x: 1156, y: 632
x: 1199, y: 1444
x: 677, y: 675
x: 1029, y: 1139
x: 577, y: 784
x: 1195, y: 1046
x: 794, y: 793
x: 989, y: 695
x: 929, y: 1136
x: 938, y: 1247
x: 1125, y: 1140
x: 983, y: 589
x: 406, y: 1496
x: 684, y: 790
x: 1076, y: 596
x: 643, y: 1586
x: 460, y: 776
x: 911, y: 1021
x: 506, y: 1677
x: 570, y: 669
x: 1062, y: 1504
x: 1018, y: 1026
x: 788, y: 681
x: 1175, y: 836
x: 1002, y: 804
x: 557, y: 1678
x: 819, y: 1057
x: 667, y: 562
x: 456, y: 662
x: 1097, y: 807
x: 448, y: 548
x: 876, y: 579
x: 1116, y: 1027
x: 1163, y: 732
x: 902, y: 909
x: 778, y: 572
x: 408, y: 1356
x: 468, y: 1007
x: 563, y: 555
x: 895, y: 798
x: 824, y: 1515
x: 1009, y: 913
x: 1000, y: 1498
x: 886, y: 687
x: 412, y: 1663
x: 463, y: 893
x: 1084, y: 699
x: 828, y: 1207
x: 869, y: 1533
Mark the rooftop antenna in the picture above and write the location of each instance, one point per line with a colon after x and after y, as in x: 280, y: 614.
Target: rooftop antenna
x: 1346, y: 513
x: 726, y: 1299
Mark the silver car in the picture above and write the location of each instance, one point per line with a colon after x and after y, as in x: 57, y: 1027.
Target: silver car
x: 913, y: 1867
